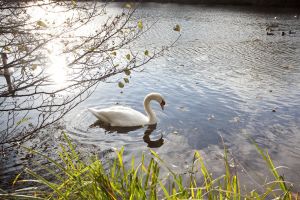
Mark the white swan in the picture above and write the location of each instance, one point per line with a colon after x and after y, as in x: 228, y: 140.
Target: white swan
x: 127, y: 117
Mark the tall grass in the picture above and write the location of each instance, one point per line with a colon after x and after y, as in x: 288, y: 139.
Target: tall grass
x: 77, y: 179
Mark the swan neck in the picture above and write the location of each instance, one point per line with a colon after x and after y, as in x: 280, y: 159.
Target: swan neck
x: 149, y: 111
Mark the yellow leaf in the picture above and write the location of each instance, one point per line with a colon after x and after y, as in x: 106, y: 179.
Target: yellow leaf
x: 176, y: 28
x: 41, y: 24
x: 74, y: 2
x: 128, y: 5
x: 34, y: 66
x: 22, y: 48
x: 140, y: 25
x: 6, y: 49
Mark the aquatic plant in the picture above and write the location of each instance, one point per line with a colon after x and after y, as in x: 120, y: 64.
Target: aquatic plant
x: 74, y: 178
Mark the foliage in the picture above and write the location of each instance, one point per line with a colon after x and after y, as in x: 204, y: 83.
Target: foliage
x: 141, y: 180
x: 60, y: 51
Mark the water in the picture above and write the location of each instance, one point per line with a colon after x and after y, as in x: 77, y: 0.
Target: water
x: 225, y: 77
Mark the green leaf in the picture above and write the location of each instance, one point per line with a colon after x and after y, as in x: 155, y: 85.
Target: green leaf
x: 126, y: 80
x: 176, y: 28
x: 41, y: 24
x: 121, y: 85
x: 128, y: 56
x: 22, y: 121
x: 140, y: 25
x: 127, y: 72
x: 146, y: 53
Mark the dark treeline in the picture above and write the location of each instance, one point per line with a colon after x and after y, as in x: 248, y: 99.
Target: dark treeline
x: 277, y: 3
x: 287, y: 3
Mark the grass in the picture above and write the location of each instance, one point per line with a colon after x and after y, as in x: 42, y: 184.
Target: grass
x: 113, y: 179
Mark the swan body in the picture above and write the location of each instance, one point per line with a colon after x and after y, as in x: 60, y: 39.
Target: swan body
x: 127, y: 117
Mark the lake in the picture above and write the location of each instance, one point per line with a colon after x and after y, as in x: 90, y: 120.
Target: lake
x: 224, y: 78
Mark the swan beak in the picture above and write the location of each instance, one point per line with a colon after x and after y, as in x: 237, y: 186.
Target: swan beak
x: 162, y: 104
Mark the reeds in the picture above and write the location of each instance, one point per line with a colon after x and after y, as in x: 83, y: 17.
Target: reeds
x: 73, y: 178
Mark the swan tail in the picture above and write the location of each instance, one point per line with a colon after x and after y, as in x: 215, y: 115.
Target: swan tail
x: 94, y: 112
x: 97, y: 114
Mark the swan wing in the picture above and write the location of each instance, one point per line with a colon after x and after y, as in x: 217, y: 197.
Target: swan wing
x: 120, y: 116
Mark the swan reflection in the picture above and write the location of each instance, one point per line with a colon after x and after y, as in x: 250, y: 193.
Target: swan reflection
x: 124, y: 130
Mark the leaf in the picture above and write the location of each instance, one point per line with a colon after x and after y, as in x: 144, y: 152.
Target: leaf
x: 128, y: 56
x: 114, y: 53
x: 121, y: 85
x: 146, y: 53
x: 127, y: 72
x: 41, y: 24
x: 34, y: 66
x: 176, y: 28
x: 6, y: 49
x: 127, y: 5
x: 140, y: 25
x: 22, y: 121
x: 126, y: 80
x: 22, y: 48
x: 74, y: 2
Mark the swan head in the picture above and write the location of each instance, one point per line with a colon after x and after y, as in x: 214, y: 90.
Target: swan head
x: 157, y: 97
x: 162, y: 104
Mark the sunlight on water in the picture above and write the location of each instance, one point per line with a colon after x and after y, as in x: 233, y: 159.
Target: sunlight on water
x: 57, y: 67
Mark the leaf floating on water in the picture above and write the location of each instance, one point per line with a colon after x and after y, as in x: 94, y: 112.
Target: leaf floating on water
x: 126, y: 80
x: 121, y: 85
x: 183, y: 109
x: 177, y: 28
x: 235, y: 120
x: 140, y: 25
x: 146, y: 53
x: 41, y: 24
x: 211, y: 117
